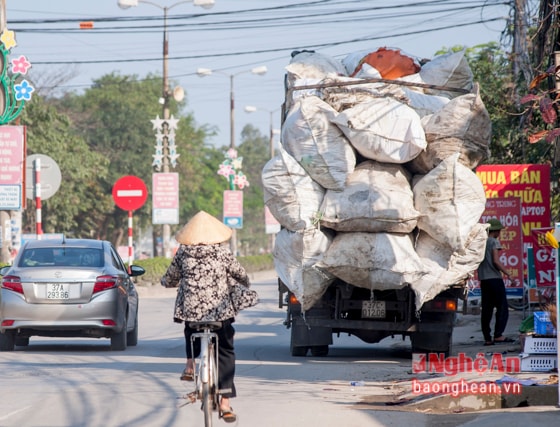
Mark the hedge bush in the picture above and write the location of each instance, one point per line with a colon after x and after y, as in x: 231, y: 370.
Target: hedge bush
x: 156, y: 267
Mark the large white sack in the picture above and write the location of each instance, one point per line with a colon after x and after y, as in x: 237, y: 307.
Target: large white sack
x: 317, y: 144
x: 450, y: 69
x: 450, y: 199
x: 355, y: 92
x: 463, y: 125
x: 384, y: 130
x: 445, y: 267
x: 373, y: 260
x: 424, y: 104
x: 377, y: 198
x: 292, y: 197
x: 313, y: 65
x: 295, y: 257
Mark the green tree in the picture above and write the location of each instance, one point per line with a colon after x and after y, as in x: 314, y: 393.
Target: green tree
x: 79, y: 204
x: 255, y: 151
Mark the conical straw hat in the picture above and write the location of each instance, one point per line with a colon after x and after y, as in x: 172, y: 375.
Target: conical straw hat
x: 203, y: 229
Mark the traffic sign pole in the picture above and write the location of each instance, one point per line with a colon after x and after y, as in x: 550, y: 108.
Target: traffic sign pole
x: 38, y: 226
x: 130, y: 193
x: 130, y: 252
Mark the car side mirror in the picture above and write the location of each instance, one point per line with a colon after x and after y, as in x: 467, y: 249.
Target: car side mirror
x: 136, y: 270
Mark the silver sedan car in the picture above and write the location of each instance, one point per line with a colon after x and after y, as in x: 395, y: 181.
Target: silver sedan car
x: 68, y: 288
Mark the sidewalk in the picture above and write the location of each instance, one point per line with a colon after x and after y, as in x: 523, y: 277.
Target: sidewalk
x: 538, y: 389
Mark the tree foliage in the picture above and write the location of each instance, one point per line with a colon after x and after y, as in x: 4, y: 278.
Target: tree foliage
x: 105, y: 133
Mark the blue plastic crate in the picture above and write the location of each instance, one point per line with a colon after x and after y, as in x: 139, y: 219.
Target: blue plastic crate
x: 542, y: 324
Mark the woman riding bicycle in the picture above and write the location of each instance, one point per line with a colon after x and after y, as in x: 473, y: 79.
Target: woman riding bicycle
x: 204, y: 269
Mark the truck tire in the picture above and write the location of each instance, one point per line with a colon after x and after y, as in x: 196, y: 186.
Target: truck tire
x: 296, y: 350
x: 432, y: 342
x: 319, y: 350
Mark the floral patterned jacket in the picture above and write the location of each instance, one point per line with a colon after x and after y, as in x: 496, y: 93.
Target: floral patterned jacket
x: 203, y: 274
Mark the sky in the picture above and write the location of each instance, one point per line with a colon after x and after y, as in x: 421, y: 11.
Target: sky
x: 233, y: 37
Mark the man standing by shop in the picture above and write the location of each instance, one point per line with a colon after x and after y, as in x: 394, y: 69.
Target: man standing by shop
x: 492, y: 287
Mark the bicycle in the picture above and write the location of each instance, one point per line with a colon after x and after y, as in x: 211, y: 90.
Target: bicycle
x: 206, y: 369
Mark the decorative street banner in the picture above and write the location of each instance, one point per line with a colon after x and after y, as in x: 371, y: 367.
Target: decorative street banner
x: 165, y: 198
x: 531, y: 184
x: 508, y: 211
x: 233, y: 208
x: 12, y: 147
x: 544, y: 257
x: 272, y: 225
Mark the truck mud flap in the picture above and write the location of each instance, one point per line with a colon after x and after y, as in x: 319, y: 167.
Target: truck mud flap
x: 306, y: 336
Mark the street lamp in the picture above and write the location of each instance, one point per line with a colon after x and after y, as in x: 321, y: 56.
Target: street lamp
x: 203, y: 72
x: 252, y: 109
x: 166, y: 93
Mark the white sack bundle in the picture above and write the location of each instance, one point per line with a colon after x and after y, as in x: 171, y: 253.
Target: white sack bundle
x: 450, y: 69
x: 450, y: 199
x: 295, y: 256
x: 462, y: 126
x: 373, y: 260
x: 353, y: 91
x: 384, y: 130
x: 377, y: 198
x: 446, y: 267
x: 424, y: 104
x: 313, y: 65
x: 317, y: 144
x: 292, y: 197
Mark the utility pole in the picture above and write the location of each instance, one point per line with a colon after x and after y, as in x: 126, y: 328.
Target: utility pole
x: 521, y: 62
x: 5, y: 236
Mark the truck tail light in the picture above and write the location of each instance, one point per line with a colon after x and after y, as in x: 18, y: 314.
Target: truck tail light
x: 443, y: 305
x: 12, y: 283
x: 293, y: 299
x: 103, y: 283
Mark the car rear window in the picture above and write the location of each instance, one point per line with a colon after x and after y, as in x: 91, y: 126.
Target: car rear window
x: 62, y: 257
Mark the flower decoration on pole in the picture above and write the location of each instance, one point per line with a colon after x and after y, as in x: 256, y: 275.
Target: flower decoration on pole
x: 230, y: 169
x: 14, y: 91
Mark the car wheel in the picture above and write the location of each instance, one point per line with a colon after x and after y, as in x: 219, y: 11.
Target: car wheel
x: 118, y: 339
x: 22, y: 341
x: 132, y: 336
x: 7, y: 341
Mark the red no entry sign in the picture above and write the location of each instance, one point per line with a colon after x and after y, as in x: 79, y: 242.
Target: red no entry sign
x: 130, y: 193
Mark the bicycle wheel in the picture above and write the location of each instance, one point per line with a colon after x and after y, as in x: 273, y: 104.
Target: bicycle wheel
x: 207, y: 404
x: 207, y: 386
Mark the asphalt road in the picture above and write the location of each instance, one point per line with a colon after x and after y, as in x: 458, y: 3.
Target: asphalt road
x: 80, y: 382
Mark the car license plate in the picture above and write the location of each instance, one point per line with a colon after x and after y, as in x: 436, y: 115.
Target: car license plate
x: 58, y: 290
x: 373, y: 309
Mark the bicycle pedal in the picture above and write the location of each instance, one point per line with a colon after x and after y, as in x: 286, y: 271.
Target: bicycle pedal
x: 191, y: 396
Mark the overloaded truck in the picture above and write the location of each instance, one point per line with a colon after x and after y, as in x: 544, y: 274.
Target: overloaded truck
x: 374, y: 188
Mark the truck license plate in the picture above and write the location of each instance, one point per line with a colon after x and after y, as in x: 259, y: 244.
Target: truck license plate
x: 373, y: 309
x: 58, y: 290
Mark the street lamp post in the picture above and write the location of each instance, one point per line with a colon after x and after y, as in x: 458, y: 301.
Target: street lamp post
x: 166, y: 93
x: 252, y: 109
x: 203, y: 72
